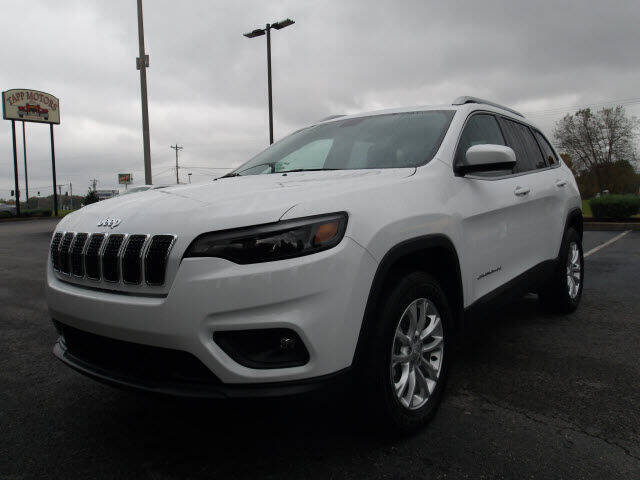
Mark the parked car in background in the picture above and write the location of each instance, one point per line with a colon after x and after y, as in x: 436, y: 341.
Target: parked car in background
x: 7, y: 210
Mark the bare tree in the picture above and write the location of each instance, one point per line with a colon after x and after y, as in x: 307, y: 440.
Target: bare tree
x: 595, y: 141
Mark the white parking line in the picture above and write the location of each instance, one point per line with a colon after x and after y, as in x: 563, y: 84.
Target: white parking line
x: 608, y: 242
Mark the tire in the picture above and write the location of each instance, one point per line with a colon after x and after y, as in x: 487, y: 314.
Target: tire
x: 405, y: 413
x: 564, y: 289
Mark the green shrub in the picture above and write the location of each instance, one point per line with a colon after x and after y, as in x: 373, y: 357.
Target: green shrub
x: 36, y: 212
x: 615, y: 206
x: 5, y: 214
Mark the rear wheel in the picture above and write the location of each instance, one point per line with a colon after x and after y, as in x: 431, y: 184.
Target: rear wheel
x: 564, y: 289
x: 410, y: 353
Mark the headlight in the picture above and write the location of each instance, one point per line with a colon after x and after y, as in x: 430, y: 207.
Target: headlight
x: 273, y: 241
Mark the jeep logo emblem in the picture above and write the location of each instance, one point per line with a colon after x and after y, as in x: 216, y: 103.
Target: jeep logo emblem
x: 109, y: 222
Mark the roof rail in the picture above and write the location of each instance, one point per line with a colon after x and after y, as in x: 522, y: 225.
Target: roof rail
x: 330, y: 117
x: 463, y: 100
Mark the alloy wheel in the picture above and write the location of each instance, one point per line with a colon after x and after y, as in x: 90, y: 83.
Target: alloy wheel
x: 417, y: 353
x: 574, y: 270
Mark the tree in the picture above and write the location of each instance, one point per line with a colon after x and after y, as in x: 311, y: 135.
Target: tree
x: 597, y: 142
x: 91, y: 197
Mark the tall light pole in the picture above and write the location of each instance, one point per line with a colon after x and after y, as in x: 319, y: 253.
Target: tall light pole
x: 142, y: 63
x: 257, y: 33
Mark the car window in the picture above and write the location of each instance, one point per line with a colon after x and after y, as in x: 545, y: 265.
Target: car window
x: 521, y: 140
x: 481, y: 129
x: 397, y: 140
x: 310, y: 156
x: 548, y: 152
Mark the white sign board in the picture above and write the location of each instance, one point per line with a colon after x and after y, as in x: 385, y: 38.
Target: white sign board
x: 30, y: 106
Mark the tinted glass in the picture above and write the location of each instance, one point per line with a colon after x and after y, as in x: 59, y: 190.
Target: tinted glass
x: 548, y: 152
x: 519, y: 137
x: 479, y: 130
x: 382, y: 141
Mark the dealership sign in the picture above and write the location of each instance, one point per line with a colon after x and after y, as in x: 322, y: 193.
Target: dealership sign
x: 30, y: 106
x: 124, y: 178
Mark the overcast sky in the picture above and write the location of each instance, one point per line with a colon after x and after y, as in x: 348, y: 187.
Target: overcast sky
x: 207, y: 83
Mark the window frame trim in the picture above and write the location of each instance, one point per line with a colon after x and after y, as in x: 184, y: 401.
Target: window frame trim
x: 510, y: 175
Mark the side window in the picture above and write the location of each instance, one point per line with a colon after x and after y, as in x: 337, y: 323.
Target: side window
x: 548, y: 152
x: 519, y: 137
x: 481, y: 129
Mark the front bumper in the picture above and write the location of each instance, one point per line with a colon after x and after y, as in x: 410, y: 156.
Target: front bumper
x: 321, y: 297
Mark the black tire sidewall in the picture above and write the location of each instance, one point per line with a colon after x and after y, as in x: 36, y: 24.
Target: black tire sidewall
x: 410, y: 287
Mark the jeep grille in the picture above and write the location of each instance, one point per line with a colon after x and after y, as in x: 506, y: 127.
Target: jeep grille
x: 114, y: 258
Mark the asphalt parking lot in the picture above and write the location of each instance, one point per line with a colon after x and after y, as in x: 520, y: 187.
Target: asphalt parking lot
x: 531, y: 395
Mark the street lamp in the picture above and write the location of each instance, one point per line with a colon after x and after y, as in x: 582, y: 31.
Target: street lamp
x: 189, y: 176
x: 257, y: 33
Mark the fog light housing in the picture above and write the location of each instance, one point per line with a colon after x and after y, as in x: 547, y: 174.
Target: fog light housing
x: 263, y: 348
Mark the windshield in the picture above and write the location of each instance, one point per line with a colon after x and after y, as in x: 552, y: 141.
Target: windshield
x: 395, y: 140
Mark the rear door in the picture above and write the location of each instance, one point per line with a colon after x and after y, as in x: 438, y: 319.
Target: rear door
x: 553, y: 187
x: 533, y: 194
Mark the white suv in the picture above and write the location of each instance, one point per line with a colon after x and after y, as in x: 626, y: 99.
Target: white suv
x: 354, y: 248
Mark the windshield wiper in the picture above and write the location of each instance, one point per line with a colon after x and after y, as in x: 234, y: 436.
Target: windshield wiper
x: 309, y: 170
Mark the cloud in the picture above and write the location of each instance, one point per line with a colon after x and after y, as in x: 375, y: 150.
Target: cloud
x: 207, y: 83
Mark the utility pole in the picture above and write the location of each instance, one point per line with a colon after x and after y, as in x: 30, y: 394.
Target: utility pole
x: 142, y: 63
x: 177, y: 148
x: 189, y: 176
x: 71, y: 194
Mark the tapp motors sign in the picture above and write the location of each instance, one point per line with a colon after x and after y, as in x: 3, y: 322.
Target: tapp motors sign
x: 30, y: 106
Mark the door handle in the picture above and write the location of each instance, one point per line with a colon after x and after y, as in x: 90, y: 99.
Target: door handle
x: 522, y: 191
x: 561, y: 183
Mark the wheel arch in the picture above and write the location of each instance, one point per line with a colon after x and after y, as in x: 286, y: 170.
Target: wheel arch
x: 575, y: 220
x: 434, y: 254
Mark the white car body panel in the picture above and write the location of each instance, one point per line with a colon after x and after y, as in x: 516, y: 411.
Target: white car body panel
x: 322, y: 296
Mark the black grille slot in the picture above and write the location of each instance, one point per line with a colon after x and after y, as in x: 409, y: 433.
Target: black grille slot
x: 132, y: 259
x: 155, y: 262
x: 64, y: 252
x: 55, y: 246
x: 110, y: 259
x: 77, y: 266
x: 92, y: 256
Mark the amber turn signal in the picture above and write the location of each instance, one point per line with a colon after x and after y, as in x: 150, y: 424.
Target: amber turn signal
x: 326, y: 232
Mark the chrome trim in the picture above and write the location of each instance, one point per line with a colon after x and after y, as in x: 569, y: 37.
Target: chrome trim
x: 118, y: 257
x: 466, y: 99
x: 51, y: 245
x: 146, y: 238
x: 144, y: 250
x: 82, y: 259
x: 123, y: 245
x: 166, y: 258
x: 60, y: 271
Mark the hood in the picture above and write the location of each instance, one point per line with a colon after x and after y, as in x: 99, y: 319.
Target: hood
x: 225, y: 203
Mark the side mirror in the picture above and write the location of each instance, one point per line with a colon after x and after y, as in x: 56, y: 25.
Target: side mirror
x: 487, y: 158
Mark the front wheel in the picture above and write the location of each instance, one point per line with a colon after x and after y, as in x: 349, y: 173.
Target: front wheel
x: 410, y: 353
x: 564, y: 289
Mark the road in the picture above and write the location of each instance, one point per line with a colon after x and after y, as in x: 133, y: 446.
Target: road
x: 531, y: 395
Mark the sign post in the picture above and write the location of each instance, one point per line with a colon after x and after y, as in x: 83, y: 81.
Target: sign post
x: 31, y: 106
x: 15, y: 166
